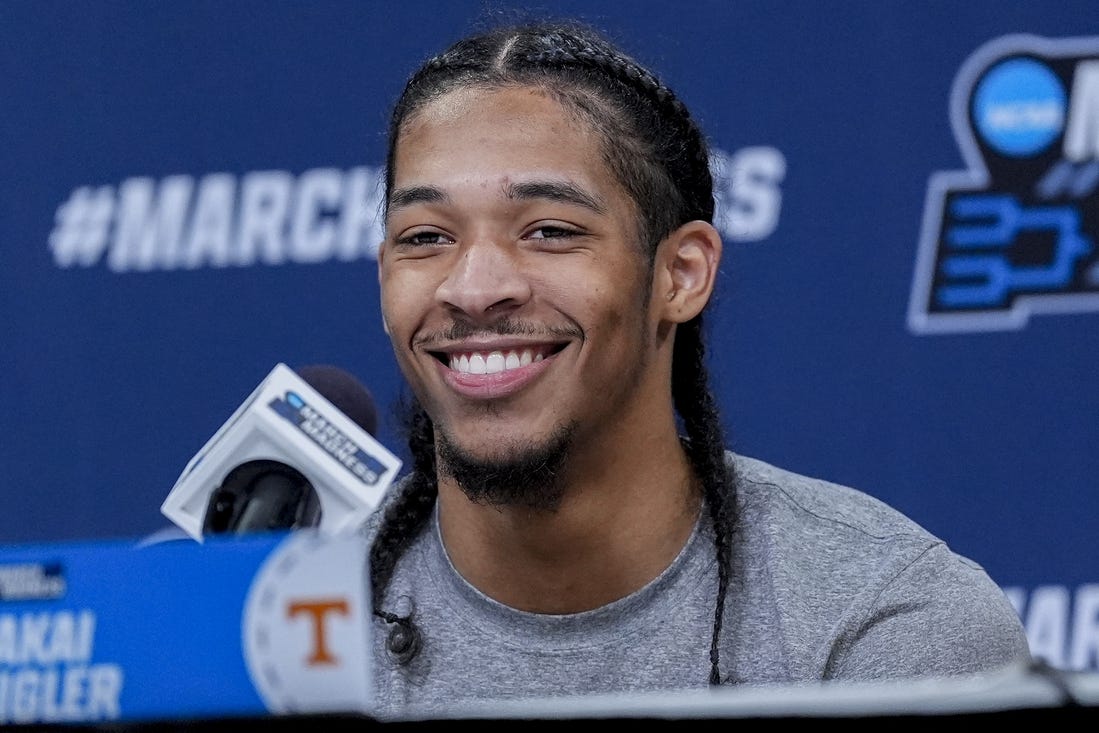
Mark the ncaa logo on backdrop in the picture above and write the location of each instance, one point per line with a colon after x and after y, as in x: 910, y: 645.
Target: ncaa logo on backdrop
x: 1017, y: 233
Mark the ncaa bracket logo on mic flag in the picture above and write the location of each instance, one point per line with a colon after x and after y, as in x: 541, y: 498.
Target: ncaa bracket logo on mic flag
x: 1016, y: 234
x: 250, y: 625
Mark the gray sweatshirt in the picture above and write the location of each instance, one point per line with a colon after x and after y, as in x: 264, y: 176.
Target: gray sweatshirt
x: 828, y: 583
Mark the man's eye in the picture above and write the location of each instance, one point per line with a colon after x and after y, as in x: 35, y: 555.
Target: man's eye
x: 551, y: 232
x: 425, y: 238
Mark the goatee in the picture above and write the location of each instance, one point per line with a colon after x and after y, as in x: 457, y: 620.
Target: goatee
x: 520, y: 474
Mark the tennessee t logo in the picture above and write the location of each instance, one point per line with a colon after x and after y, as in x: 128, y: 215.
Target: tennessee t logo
x: 317, y: 610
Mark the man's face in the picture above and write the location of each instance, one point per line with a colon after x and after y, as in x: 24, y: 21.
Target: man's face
x: 513, y: 287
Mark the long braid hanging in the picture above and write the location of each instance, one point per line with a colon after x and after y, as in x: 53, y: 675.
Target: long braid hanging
x: 401, y: 524
x: 705, y: 444
x: 706, y: 448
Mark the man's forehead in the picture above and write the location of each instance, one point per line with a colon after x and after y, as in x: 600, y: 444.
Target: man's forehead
x: 514, y: 143
x: 450, y: 106
x: 518, y: 119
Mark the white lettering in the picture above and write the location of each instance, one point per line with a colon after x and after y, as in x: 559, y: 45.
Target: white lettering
x: 1082, y: 134
x: 1025, y: 116
x: 312, y: 229
x: 24, y: 701
x: 29, y: 581
x: 32, y: 638
x: 104, y: 691
x: 1047, y: 623
x: 46, y: 638
x: 61, y: 694
x: 264, y: 199
x: 9, y: 640
x: 209, y: 236
x: 148, y: 227
x: 62, y: 642
x: 361, y: 230
x: 59, y: 697
x: 273, y: 217
x: 1084, y: 652
x: 746, y: 192
x: 1017, y: 597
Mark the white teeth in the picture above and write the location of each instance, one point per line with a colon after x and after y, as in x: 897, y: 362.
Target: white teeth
x: 492, y: 362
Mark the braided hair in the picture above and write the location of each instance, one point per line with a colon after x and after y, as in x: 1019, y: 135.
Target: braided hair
x: 658, y: 154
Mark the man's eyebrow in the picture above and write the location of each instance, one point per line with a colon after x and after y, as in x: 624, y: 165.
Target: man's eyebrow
x: 415, y: 195
x: 563, y: 191
x: 554, y: 190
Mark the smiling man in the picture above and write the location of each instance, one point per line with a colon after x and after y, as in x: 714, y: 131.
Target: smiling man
x: 573, y: 522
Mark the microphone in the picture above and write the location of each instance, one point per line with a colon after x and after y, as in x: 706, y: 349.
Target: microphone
x: 298, y: 453
x: 343, y: 391
x: 269, y: 495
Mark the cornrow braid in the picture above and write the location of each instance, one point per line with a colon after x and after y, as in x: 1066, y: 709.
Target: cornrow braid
x: 402, y: 521
x: 690, y: 172
x: 657, y: 152
x: 705, y: 446
x: 678, y: 145
x: 691, y: 393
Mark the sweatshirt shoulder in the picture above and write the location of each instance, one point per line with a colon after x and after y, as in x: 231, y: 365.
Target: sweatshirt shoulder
x: 763, y: 487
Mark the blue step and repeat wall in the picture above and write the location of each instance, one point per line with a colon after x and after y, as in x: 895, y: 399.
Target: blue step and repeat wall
x: 909, y: 301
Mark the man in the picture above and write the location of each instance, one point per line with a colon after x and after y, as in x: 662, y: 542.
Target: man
x: 573, y: 522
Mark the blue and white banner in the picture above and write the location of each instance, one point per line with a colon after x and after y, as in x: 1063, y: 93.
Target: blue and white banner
x: 260, y: 624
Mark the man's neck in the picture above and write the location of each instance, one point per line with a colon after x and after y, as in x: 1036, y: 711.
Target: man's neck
x: 616, y: 529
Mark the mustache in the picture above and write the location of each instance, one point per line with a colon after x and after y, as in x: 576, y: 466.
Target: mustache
x: 459, y: 330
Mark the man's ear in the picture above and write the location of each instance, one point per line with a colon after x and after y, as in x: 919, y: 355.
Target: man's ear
x: 686, y: 270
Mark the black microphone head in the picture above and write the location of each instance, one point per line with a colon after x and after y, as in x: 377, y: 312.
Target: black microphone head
x: 344, y: 391
x: 262, y: 495
x: 269, y: 495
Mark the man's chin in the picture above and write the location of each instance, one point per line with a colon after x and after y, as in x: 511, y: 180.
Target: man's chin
x: 513, y: 472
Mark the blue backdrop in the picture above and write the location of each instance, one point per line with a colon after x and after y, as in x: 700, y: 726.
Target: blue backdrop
x: 908, y: 302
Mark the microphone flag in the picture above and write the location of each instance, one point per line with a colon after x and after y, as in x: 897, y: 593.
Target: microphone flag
x: 286, y: 420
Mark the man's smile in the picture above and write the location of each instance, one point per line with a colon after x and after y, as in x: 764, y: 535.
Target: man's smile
x: 497, y: 360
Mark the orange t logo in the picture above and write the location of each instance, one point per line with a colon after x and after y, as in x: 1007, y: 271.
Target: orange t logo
x: 316, y: 610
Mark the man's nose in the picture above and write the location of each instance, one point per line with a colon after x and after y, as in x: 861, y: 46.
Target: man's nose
x: 486, y: 277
